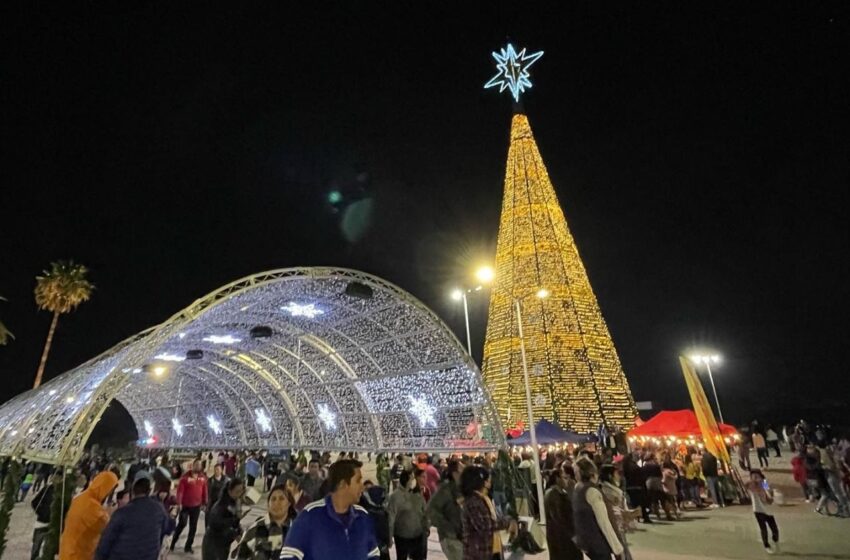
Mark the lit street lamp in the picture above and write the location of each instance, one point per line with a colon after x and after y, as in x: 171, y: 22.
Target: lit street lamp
x: 542, y: 293
x: 485, y: 275
x: 707, y: 360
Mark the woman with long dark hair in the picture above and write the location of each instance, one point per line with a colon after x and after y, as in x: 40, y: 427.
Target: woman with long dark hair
x: 481, y: 523
x: 223, y: 526
x: 264, y: 540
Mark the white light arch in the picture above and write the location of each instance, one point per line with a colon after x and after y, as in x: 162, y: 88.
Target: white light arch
x: 304, y: 345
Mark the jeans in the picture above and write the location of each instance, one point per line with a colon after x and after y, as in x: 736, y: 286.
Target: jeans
x: 764, y: 520
x: 838, y: 491
x: 413, y: 549
x: 774, y: 444
x: 191, y: 515
x: 38, y: 536
x: 692, y: 491
x: 714, y: 491
x: 452, y: 548
x: 762, y: 455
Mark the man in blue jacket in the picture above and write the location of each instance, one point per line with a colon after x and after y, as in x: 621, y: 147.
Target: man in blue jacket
x: 135, y: 531
x: 336, y: 527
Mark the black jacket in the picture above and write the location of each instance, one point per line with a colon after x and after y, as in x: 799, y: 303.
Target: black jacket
x: 42, y: 502
x: 709, y: 464
x: 224, y: 521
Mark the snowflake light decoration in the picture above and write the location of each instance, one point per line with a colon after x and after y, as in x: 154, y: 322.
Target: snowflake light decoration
x: 222, y: 339
x: 169, y: 357
x: 423, y: 411
x: 178, y: 427
x: 512, y: 71
x: 215, y: 425
x: 263, y: 420
x: 308, y: 310
x: 327, y: 417
x: 148, y: 428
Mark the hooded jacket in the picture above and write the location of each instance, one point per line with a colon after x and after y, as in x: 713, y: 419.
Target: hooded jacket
x: 86, y: 519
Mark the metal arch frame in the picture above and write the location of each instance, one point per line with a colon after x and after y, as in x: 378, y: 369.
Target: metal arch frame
x: 139, y: 348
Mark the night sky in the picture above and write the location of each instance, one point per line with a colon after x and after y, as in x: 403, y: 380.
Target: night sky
x: 700, y: 156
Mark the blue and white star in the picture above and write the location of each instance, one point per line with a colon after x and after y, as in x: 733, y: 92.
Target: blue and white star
x: 513, y: 70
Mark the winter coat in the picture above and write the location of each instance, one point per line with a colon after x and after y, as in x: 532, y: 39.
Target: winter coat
x: 444, y: 511
x: 479, y: 528
x: 406, y: 511
x: 86, y: 519
x: 223, y: 522
x: 135, y: 531
x: 263, y: 541
x: 214, y: 488
x: 559, y: 526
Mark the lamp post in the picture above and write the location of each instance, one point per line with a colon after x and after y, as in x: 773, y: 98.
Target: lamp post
x: 538, y: 475
x: 707, y: 361
x: 484, y: 275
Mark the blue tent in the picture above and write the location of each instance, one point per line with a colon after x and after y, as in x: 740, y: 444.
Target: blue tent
x: 549, y: 433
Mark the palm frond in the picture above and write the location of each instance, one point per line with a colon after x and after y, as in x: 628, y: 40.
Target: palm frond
x: 62, y: 288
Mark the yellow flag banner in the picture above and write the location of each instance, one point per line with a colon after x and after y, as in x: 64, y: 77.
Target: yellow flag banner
x: 707, y: 424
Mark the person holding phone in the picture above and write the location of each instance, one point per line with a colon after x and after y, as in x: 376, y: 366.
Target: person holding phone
x: 761, y: 496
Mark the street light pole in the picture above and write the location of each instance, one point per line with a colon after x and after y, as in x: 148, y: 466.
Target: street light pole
x: 714, y: 389
x: 531, y: 429
x: 466, y: 317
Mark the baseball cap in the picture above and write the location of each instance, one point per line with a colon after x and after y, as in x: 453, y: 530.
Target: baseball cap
x: 142, y: 475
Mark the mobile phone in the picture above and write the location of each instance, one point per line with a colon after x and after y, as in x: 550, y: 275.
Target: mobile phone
x: 765, y: 485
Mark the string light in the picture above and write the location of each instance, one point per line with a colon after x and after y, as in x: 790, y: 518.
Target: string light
x: 582, y: 380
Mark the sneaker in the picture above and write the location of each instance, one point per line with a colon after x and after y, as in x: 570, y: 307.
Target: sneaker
x: 189, y: 551
x: 820, y: 511
x: 713, y: 506
x: 769, y: 550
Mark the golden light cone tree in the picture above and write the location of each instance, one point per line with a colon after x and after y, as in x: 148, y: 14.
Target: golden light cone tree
x: 575, y: 374
x: 59, y: 290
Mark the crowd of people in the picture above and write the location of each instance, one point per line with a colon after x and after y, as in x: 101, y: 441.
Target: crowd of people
x: 320, y: 507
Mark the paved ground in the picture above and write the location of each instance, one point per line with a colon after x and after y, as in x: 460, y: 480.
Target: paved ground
x: 729, y: 533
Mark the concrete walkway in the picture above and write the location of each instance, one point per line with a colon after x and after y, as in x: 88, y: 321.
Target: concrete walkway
x: 729, y: 533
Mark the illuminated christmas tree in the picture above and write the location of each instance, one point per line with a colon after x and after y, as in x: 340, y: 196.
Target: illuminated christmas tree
x: 575, y: 374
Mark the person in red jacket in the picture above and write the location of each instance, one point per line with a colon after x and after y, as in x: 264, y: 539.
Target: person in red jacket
x: 191, y: 497
x: 798, y: 470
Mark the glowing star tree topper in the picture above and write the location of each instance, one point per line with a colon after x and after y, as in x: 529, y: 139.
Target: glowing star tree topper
x: 512, y: 70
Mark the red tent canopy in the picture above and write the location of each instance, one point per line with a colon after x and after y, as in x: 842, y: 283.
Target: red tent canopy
x: 677, y: 423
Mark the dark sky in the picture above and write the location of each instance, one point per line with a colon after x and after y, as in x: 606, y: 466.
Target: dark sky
x: 700, y: 155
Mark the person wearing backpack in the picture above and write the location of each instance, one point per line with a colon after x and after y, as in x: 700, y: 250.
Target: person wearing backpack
x: 41, y: 504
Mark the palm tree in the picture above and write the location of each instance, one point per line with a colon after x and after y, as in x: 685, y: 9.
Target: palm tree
x: 5, y: 334
x: 60, y: 290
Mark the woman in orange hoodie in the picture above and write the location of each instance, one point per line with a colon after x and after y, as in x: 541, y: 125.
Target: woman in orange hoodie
x: 86, y: 519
